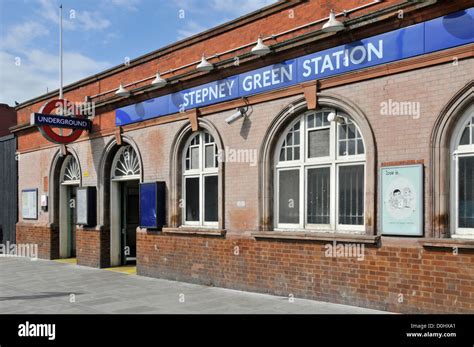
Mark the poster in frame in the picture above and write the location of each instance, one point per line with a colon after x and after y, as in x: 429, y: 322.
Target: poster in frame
x: 401, y: 198
x: 29, y: 203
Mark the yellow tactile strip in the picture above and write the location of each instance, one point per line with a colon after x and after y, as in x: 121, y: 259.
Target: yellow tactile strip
x: 67, y: 260
x: 126, y: 269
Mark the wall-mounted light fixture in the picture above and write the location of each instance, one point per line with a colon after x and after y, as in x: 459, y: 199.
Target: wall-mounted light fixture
x: 122, y: 92
x: 260, y: 48
x: 204, y: 65
x: 159, y: 82
x: 332, y: 25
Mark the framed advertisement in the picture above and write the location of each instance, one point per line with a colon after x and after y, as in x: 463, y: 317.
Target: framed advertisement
x: 86, y: 206
x: 402, y: 200
x: 29, y: 203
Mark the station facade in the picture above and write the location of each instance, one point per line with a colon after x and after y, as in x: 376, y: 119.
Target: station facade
x: 272, y: 165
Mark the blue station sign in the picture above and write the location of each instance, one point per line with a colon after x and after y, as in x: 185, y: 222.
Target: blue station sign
x: 438, y: 34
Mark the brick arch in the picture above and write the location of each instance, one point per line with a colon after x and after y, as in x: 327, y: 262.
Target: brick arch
x: 440, y: 143
x: 103, y: 180
x: 177, y: 147
x: 279, y: 124
x: 95, y: 243
x: 54, y: 180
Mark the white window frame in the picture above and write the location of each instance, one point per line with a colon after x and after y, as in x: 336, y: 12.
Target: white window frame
x: 459, y: 151
x: 201, y: 172
x: 319, y: 227
x: 350, y: 227
x: 333, y: 161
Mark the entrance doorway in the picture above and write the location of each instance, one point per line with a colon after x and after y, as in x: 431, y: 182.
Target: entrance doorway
x: 124, y: 207
x: 70, y: 181
x: 71, y: 218
x: 129, y: 221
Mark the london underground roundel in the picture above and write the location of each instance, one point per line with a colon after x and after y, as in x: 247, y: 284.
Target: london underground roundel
x: 60, y: 129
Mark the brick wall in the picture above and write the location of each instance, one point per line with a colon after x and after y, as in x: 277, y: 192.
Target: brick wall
x: 398, y: 278
x: 45, y: 236
x: 7, y: 119
x: 93, y: 247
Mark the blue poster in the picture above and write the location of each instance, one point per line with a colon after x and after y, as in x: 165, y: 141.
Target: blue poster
x: 148, y: 205
x: 402, y: 200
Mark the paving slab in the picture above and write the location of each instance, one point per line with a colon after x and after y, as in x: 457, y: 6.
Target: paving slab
x: 44, y: 286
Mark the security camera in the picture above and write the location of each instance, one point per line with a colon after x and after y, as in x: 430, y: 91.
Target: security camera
x: 238, y: 114
x: 333, y: 117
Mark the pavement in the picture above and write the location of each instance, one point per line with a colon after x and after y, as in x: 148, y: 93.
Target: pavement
x: 53, y: 287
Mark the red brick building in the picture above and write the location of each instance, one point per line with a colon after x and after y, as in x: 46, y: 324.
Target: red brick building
x: 7, y: 119
x: 289, y: 198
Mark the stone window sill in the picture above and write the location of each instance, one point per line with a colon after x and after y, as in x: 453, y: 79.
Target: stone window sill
x: 448, y: 243
x: 317, y: 236
x: 194, y: 231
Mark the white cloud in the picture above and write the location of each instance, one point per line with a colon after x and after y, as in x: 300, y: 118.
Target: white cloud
x: 231, y: 8
x: 126, y: 4
x: 190, y: 28
x: 48, y: 10
x: 37, y: 72
x: 92, y: 21
x: 188, y: 5
x: 72, y: 18
x: 20, y: 35
x: 110, y: 37
x: 38, y: 68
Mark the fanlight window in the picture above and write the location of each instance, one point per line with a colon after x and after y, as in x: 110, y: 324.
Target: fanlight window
x: 467, y: 137
x: 126, y: 164
x: 71, y: 173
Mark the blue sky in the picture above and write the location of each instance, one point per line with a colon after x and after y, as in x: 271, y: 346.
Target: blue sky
x: 97, y: 34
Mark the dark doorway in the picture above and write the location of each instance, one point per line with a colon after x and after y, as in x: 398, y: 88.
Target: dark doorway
x: 8, y: 187
x: 129, y: 221
x: 71, y: 220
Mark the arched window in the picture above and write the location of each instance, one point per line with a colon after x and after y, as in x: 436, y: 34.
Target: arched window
x: 200, y: 181
x: 463, y: 175
x: 126, y: 164
x: 70, y: 172
x: 320, y: 174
